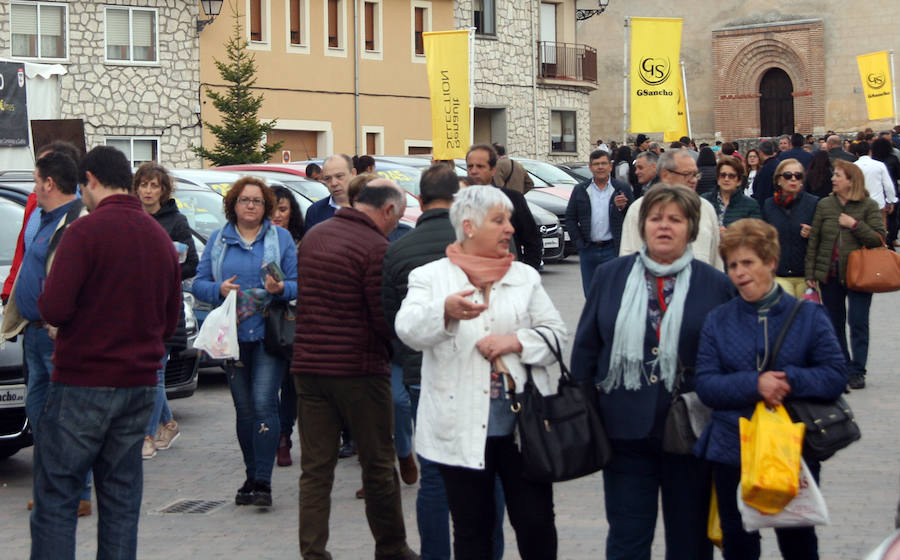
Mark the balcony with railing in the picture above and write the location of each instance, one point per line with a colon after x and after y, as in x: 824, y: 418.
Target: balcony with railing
x: 560, y: 63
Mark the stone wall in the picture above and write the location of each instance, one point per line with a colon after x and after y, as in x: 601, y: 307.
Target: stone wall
x: 114, y: 99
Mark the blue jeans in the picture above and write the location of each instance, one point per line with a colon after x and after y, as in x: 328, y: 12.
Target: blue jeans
x: 254, y: 381
x: 847, y: 306
x: 402, y: 413
x: 85, y: 428
x: 161, y: 411
x: 590, y: 258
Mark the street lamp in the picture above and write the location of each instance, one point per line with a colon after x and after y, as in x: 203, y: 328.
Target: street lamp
x: 582, y: 15
x: 210, y: 8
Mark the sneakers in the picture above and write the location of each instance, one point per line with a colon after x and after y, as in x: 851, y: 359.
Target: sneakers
x: 262, y: 494
x: 244, y: 496
x: 857, y: 382
x: 167, y: 434
x: 361, y: 494
x: 149, y: 450
x: 347, y: 450
x: 284, y: 451
x: 409, y: 473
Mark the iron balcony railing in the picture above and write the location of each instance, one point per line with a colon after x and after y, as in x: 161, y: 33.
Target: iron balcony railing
x: 567, y: 61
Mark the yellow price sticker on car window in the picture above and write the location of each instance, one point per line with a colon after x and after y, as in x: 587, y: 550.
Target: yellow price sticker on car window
x: 221, y: 188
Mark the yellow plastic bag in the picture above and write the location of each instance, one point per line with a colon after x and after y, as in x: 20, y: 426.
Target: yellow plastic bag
x: 770, y: 458
x: 714, y: 525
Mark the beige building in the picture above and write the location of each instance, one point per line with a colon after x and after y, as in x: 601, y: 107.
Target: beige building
x: 756, y: 67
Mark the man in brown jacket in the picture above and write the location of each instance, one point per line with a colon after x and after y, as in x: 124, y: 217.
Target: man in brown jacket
x: 342, y: 368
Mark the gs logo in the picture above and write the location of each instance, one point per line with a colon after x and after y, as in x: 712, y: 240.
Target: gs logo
x: 654, y: 70
x: 875, y: 80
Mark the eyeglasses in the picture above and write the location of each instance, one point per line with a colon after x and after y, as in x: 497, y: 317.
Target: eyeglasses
x: 727, y: 175
x: 788, y: 176
x: 248, y: 201
x: 687, y: 174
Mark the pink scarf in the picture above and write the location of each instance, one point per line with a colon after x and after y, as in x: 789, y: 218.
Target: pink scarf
x: 482, y: 271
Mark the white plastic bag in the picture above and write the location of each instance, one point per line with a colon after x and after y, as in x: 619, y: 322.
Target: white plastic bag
x: 218, y: 334
x: 806, y: 509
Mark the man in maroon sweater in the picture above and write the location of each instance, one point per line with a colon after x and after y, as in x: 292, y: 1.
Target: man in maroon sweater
x: 114, y: 292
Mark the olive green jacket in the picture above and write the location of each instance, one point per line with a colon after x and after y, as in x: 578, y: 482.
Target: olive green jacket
x: 825, y: 230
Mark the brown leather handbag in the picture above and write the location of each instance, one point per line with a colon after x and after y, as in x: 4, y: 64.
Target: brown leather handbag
x: 873, y: 270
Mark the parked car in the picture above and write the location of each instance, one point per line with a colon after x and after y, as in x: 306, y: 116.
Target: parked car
x: 554, y: 200
x: 579, y: 170
x: 287, y: 176
x: 548, y: 172
x: 551, y: 234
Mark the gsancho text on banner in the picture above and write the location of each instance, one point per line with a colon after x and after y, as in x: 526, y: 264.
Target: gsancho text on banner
x: 875, y: 72
x: 447, y: 63
x: 655, y: 52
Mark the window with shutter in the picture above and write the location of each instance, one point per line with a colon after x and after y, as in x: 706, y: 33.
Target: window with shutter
x: 23, y: 21
x: 419, y: 29
x: 143, y: 24
x: 131, y: 35
x: 333, y: 38
x: 138, y: 150
x: 256, y: 20
x: 52, y: 31
x: 296, y: 35
x: 117, y: 34
x: 369, y: 15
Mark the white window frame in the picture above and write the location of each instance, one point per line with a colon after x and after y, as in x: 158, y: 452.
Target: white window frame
x: 303, y: 47
x: 265, y: 9
x: 486, y: 33
x: 37, y: 6
x: 378, y: 52
x: 407, y: 144
x: 341, y: 49
x: 379, y: 138
x: 572, y: 110
x: 130, y: 61
x: 418, y: 58
x: 131, y: 140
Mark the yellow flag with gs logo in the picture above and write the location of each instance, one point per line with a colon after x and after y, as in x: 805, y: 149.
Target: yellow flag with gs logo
x: 875, y: 73
x: 655, y: 74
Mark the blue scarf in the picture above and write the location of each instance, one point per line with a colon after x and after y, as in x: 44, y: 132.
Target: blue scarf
x: 626, y: 361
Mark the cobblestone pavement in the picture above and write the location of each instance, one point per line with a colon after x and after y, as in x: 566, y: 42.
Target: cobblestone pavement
x: 860, y: 484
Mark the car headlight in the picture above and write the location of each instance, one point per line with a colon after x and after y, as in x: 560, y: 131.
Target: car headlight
x: 190, y: 321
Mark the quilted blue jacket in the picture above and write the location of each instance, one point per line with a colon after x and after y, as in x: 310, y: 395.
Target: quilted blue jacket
x: 733, y: 338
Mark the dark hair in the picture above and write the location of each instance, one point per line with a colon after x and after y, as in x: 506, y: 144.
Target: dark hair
x: 733, y: 163
x: 363, y: 163
x: 796, y: 140
x: 492, y: 153
x: 238, y: 187
x: 438, y: 182
x: 295, y: 222
x: 704, y: 145
x: 622, y: 154
x: 110, y: 166
x: 767, y: 148
x: 676, y: 146
x: 61, y: 168
x: 685, y: 140
x: 62, y: 146
x: 378, y: 196
x: 312, y: 169
x: 861, y: 148
x: 881, y: 149
x: 706, y: 157
x: 149, y: 171
x: 818, y: 175
x: 728, y: 148
x: 501, y: 149
x: 685, y: 198
x: 597, y: 154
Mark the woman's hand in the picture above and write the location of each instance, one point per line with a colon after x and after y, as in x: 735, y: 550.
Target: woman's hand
x: 228, y: 285
x: 814, y: 284
x: 495, y: 345
x: 773, y: 387
x: 274, y: 287
x: 847, y: 220
x: 456, y: 306
x: 804, y: 230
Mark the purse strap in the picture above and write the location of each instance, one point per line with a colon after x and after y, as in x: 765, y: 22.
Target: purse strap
x: 782, y: 334
x: 557, y: 353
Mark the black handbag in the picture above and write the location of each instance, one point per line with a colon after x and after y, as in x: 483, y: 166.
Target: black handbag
x: 686, y: 419
x: 561, y: 436
x: 281, y: 324
x: 830, y: 425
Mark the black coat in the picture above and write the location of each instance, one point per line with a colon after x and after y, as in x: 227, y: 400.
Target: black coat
x: 426, y: 243
x: 708, y: 180
x: 176, y: 226
x: 578, y: 213
x: 788, y: 221
x: 763, y: 185
x: 529, y: 246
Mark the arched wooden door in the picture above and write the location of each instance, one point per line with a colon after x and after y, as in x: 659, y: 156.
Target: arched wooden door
x: 776, y: 104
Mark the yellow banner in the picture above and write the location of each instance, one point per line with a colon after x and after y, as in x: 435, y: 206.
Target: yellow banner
x: 447, y: 64
x: 682, y: 130
x: 655, y: 52
x: 875, y: 73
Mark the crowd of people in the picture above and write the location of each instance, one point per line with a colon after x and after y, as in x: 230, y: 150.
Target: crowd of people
x: 691, y: 261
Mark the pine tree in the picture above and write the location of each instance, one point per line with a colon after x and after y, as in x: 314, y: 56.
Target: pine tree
x: 239, y: 137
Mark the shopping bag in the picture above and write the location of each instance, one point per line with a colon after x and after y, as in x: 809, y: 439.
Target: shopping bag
x: 218, y: 334
x: 806, y: 509
x: 771, y: 445
x: 714, y: 524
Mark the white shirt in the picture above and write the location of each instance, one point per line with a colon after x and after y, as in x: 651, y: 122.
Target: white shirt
x: 705, y: 248
x: 878, y: 180
x: 600, y: 230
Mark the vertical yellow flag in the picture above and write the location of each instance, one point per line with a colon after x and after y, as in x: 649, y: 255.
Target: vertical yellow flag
x: 875, y: 73
x: 655, y: 52
x: 447, y: 64
x: 682, y: 130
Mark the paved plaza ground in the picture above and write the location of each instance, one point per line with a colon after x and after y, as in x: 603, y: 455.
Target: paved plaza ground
x: 860, y: 484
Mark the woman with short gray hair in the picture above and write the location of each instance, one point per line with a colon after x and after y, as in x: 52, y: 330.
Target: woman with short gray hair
x: 474, y: 316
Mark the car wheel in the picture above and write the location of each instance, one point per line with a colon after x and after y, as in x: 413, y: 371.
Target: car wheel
x: 8, y: 451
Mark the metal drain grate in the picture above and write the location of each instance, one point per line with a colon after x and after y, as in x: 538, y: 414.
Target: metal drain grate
x: 193, y: 506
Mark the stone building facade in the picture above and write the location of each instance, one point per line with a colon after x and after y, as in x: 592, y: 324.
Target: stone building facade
x: 728, y: 50
x: 516, y: 103
x: 133, y: 70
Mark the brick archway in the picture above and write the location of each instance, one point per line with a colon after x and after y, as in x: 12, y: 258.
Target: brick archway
x: 743, y: 54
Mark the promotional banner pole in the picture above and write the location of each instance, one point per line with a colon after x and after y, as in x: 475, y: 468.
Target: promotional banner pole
x: 471, y: 86
x: 625, y: 67
x: 893, y: 86
x: 687, y: 103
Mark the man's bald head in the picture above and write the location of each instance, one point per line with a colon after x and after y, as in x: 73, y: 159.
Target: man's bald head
x: 833, y: 141
x: 383, y: 201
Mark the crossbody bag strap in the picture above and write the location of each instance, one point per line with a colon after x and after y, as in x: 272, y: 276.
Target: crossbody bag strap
x: 782, y: 334
x: 72, y: 215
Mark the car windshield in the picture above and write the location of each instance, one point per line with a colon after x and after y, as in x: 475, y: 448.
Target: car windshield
x: 11, y: 216
x: 547, y: 172
x: 204, y: 210
x: 312, y: 190
x: 406, y: 177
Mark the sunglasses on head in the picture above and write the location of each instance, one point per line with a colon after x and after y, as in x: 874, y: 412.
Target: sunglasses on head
x: 788, y: 175
x: 727, y: 175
